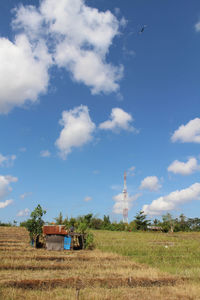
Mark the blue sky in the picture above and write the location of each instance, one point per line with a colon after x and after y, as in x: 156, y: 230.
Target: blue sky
x: 84, y: 96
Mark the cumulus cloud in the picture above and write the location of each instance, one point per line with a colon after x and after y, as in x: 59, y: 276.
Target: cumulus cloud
x: 171, y: 201
x: 184, y: 168
x: 29, y: 19
x: 119, y: 119
x: 23, y: 213
x: 6, y: 203
x: 45, y: 153
x: 150, y: 183
x: 24, y: 72
x: 77, y: 130
x: 89, y: 67
x: 119, y: 202
x: 65, y: 33
x: 189, y: 133
x: 7, y: 161
x: 87, y: 199
x: 5, y: 187
x: 77, y: 36
x: 87, y: 35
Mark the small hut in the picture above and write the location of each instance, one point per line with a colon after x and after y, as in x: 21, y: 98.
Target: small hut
x: 58, y: 238
x: 154, y: 228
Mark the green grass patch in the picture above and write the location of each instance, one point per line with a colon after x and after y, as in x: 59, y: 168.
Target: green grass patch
x: 177, y: 253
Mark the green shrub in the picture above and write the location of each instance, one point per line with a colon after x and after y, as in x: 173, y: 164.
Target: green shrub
x: 89, y: 243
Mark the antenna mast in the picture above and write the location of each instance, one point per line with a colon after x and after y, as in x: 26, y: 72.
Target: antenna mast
x: 125, y: 203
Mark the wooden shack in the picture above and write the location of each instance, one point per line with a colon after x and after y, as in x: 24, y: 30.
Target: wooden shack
x: 58, y: 238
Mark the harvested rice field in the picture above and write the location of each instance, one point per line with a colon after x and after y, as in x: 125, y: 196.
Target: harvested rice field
x: 28, y: 273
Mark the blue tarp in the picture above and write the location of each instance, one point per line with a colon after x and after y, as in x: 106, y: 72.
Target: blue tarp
x: 67, y: 242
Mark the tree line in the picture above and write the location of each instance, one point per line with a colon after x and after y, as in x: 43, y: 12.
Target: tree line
x: 90, y: 221
x: 140, y: 222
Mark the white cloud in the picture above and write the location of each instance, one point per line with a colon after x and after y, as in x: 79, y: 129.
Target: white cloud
x: 184, y: 168
x: 88, y: 198
x: 6, y: 203
x: 5, y: 187
x: 119, y: 202
x: 23, y: 213
x: 88, y: 66
x: 79, y: 38
x: 189, y: 133
x: 7, y: 161
x: 24, y: 72
x: 77, y: 131
x: 65, y: 33
x: 171, y: 201
x: 29, y: 19
x: 45, y: 153
x: 197, y: 26
x: 150, y: 183
x: 119, y: 119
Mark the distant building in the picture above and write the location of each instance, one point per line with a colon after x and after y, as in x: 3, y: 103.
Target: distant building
x: 154, y: 228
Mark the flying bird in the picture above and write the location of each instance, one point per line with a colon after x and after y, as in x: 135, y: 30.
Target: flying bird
x: 142, y: 29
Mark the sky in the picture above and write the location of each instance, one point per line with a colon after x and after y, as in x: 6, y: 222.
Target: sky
x: 90, y: 89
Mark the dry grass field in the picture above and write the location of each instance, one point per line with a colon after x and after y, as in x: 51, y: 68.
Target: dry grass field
x: 27, y: 273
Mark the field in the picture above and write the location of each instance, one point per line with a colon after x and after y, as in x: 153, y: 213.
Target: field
x: 177, y: 253
x: 139, y: 273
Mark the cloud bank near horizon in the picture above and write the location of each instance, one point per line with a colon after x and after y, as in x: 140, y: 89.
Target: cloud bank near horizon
x: 173, y: 200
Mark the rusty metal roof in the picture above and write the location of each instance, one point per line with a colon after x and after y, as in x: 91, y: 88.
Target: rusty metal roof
x: 55, y: 229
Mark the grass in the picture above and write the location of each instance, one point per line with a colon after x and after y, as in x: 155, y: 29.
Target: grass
x: 176, y: 253
x: 28, y: 273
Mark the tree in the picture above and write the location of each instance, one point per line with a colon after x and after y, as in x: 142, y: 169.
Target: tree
x: 35, y: 224
x: 194, y: 224
x: 183, y: 223
x: 168, y: 223
x: 59, y: 219
x: 106, y: 222
x: 96, y: 223
x: 87, y: 219
x: 140, y: 221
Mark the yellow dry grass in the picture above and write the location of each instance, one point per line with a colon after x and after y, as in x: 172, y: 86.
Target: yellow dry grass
x: 28, y: 273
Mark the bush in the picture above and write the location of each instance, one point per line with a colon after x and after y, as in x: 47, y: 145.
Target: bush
x: 89, y: 243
